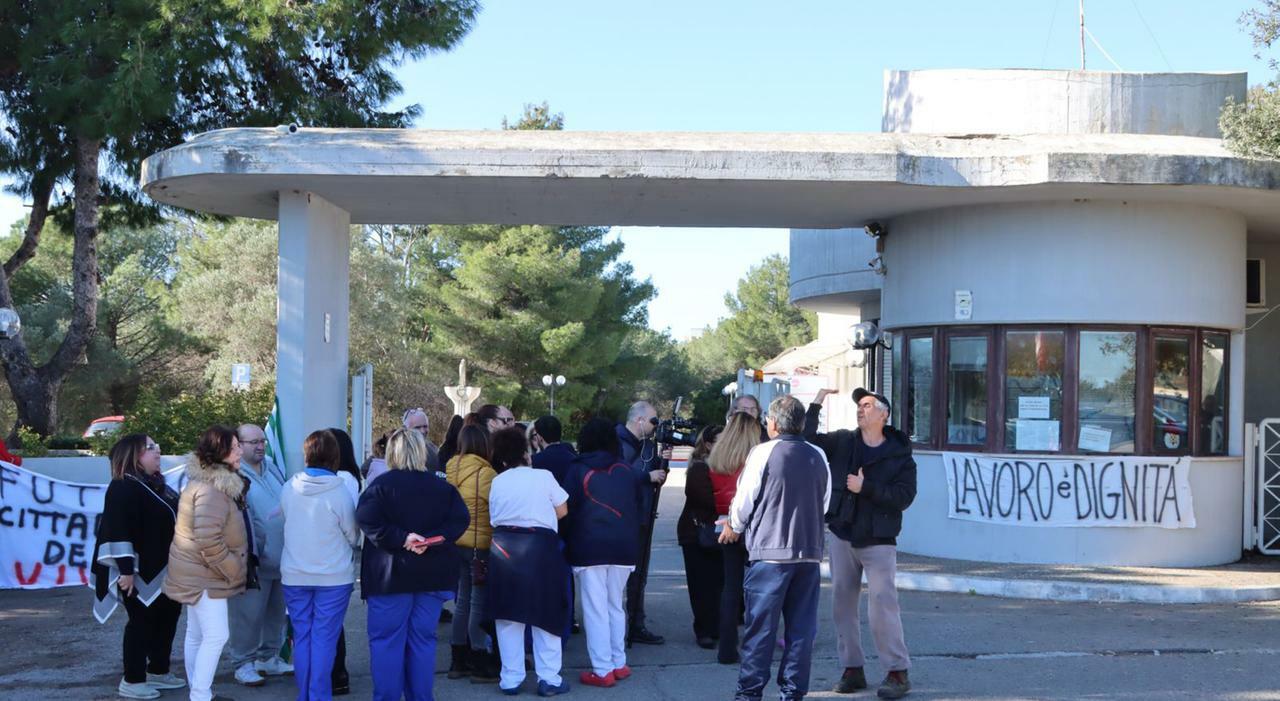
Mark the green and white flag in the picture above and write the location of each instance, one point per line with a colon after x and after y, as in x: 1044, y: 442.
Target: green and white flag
x: 275, y: 437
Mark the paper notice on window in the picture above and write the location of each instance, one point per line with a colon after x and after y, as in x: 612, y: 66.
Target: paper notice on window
x: 1095, y: 439
x: 1036, y: 434
x: 1033, y: 407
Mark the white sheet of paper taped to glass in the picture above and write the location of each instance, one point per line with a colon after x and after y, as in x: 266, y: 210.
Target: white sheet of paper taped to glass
x: 1095, y: 439
x: 1034, y: 434
x: 1033, y: 407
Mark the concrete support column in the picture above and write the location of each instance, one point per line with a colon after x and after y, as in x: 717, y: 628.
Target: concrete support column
x: 311, y: 319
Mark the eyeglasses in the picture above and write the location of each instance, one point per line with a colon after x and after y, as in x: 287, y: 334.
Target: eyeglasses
x: 508, y: 420
x: 152, y: 448
x: 260, y: 441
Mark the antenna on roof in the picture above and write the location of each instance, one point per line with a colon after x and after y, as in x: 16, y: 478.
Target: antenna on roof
x: 1082, y: 66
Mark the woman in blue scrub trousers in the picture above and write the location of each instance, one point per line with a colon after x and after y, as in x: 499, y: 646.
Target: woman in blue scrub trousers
x: 320, y: 536
x: 408, y: 567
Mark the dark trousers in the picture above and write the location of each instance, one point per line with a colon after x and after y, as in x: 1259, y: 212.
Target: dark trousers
x: 789, y: 590
x: 734, y: 556
x: 704, y: 575
x: 148, y: 636
x: 639, y: 579
x: 339, y: 676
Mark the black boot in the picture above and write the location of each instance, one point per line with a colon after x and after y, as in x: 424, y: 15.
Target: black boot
x: 484, y: 667
x: 458, y: 665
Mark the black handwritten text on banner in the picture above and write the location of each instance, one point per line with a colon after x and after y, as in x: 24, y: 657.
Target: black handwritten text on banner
x: 46, y: 529
x: 1104, y: 491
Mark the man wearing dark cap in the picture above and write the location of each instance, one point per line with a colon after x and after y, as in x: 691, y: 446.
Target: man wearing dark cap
x: 874, y: 466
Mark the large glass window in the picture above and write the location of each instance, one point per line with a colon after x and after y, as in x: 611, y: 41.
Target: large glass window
x: 1098, y: 389
x: 967, y: 390
x: 1034, y: 361
x: 1213, y: 394
x: 1106, y: 393
x: 920, y: 389
x: 1171, y: 387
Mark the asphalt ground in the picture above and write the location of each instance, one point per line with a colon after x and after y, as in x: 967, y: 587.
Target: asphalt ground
x: 963, y: 647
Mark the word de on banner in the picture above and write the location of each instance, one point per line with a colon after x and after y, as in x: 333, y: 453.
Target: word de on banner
x: 1119, y: 491
x: 46, y: 529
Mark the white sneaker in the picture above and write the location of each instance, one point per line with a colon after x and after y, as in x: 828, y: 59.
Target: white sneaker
x: 165, y: 681
x: 273, y: 667
x: 247, y: 675
x: 140, y: 690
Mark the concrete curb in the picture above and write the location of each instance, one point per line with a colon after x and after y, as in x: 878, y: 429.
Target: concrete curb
x: 1047, y: 590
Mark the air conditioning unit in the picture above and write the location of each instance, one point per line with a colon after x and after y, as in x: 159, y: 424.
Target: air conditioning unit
x: 1255, y: 283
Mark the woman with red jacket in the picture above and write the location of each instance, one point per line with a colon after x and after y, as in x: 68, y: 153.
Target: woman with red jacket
x: 728, y: 455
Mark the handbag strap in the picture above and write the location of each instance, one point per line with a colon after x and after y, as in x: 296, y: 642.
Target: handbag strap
x: 475, y: 529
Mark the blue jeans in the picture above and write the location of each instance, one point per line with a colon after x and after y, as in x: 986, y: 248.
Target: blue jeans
x: 402, y: 643
x: 790, y: 590
x: 316, y: 614
x: 469, y: 611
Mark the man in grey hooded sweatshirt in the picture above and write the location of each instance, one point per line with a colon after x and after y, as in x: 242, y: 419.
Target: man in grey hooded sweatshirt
x: 256, y: 618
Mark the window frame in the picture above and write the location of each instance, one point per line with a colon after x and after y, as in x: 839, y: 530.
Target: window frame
x: 905, y: 381
x: 1144, y: 384
x: 944, y: 400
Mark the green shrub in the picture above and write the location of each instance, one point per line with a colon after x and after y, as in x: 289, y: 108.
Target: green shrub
x: 33, y: 444
x: 175, y: 423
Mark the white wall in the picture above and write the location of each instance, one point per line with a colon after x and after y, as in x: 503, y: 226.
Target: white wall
x: 963, y: 101
x: 1099, y: 262
x: 86, y: 470
x: 1216, y: 496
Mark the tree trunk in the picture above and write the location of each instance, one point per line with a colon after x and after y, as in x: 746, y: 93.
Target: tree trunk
x: 35, y: 390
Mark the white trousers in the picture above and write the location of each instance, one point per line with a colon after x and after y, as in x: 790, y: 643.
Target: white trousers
x: 546, y: 654
x: 206, y: 634
x: 601, y: 588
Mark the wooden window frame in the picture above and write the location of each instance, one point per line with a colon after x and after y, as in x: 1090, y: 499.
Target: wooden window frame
x: 1144, y: 402
x: 951, y: 332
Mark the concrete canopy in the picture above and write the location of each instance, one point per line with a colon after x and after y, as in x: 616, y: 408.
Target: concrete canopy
x: 694, y: 179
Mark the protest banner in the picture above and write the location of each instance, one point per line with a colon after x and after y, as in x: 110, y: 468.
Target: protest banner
x: 1102, y: 491
x: 47, y: 527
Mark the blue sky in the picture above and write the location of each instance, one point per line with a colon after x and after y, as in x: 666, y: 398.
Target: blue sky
x: 744, y: 65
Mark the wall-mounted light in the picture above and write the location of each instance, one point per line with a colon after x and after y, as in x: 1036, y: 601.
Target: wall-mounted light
x: 867, y: 335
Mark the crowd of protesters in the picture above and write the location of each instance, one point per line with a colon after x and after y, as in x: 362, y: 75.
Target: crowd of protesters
x: 513, y: 525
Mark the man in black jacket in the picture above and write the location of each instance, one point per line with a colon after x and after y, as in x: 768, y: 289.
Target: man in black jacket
x: 874, y: 466
x: 639, y: 449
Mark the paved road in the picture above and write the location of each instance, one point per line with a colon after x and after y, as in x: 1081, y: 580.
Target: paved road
x: 964, y: 647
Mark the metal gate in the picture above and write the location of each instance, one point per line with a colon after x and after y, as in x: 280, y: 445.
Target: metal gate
x: 1268, y: 466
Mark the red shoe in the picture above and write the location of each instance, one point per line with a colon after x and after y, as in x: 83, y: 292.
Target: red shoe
x: 622, y: 672
x: 593, y: 679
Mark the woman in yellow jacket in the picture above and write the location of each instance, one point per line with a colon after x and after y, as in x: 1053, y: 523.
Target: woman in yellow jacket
x: 472, y: 646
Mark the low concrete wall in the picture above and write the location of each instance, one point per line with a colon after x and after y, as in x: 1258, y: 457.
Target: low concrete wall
x: 86, y: 470
x: 1217, y: 486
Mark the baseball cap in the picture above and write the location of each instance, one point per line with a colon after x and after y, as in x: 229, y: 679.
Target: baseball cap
x: 860, y: 393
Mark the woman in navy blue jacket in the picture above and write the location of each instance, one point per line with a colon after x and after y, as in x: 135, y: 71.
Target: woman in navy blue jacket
x: 602, y: 540
x: 409, y: 566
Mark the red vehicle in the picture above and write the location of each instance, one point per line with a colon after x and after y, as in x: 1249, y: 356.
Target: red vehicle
x: 105, y: 424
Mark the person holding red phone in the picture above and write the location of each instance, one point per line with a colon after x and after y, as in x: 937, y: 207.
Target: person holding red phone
x: 408, y: 566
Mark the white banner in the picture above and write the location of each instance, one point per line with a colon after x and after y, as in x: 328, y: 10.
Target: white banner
x: 1115, y: 491
x: 47, y: 527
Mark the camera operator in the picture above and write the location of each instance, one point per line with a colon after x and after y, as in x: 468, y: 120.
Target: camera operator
x: 649, y: 460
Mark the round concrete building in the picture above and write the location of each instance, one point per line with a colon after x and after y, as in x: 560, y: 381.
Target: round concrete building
x: 1064, y: 281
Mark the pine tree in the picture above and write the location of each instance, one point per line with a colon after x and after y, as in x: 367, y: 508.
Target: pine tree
x: 93, y: 86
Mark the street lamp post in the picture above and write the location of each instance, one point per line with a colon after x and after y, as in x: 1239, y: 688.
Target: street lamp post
x: 552, y: 383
